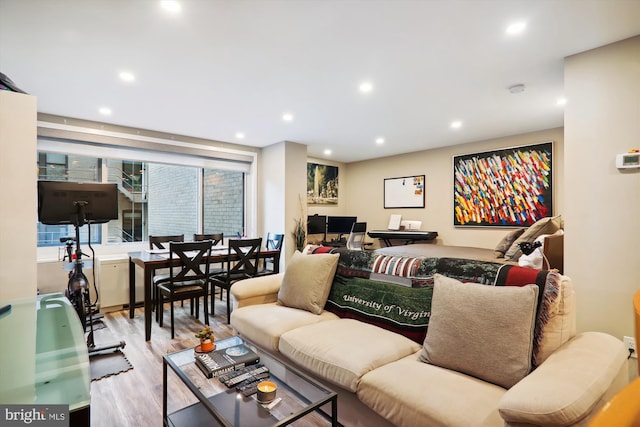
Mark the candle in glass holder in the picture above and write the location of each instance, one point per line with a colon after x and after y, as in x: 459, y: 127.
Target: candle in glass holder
x: 266, y: 391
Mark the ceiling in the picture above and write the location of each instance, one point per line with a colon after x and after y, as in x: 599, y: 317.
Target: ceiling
x: 217, y: 68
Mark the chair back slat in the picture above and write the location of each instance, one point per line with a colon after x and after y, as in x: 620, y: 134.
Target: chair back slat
x: 214, y: 237
x: 157, y: 242
x: 274, y: 241
x: 192, y: 260
x: 246, y: 253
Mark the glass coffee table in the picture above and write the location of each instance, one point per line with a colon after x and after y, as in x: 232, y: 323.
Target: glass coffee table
x: 297, y: 395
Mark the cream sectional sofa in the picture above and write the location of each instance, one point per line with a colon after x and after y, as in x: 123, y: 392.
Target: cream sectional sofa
x: 385, y: 374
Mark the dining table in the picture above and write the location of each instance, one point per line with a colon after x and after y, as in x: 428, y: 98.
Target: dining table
x: 152, y: 260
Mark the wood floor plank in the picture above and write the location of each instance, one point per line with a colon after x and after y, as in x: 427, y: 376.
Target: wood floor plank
x: 134, y: 398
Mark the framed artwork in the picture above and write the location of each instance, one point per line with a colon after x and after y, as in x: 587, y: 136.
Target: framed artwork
x: 322, y: 184
x: 504, y: 188
x: 404, y: 192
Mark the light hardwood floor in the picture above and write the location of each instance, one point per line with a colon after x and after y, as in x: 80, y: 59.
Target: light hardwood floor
x: 134, y: 398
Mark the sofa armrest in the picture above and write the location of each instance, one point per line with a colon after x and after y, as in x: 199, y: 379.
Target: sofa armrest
x: 257, y: 290
x: 570, y: 385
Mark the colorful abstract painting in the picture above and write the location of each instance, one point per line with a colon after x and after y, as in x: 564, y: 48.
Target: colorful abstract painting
x: 509, y: 187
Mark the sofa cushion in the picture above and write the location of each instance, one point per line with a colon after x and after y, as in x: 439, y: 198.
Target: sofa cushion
x: 410, y: 393
x: 263, y: 324
x: 503, y: 245
x: 484, y: 331
x: 343, y: 350
x: 307, y: 281
x: 561, y: 323
x: 570, y: 384
x: 547, y: 225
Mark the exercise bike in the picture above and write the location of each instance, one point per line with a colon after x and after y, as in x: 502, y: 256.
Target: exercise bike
x: 77, y: 290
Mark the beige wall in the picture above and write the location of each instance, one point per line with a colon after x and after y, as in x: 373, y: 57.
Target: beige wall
x: 363, y: 190
x: 18, y: 209
x: 602, y: 244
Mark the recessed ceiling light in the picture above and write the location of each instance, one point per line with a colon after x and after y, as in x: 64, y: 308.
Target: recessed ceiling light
x: 287, y: 117
x: 171, y: 6
x: 561, y: 101
x: 327, y: 152
x: 239, y: 135
x: 379, y: 141
x: 126, y: 76
x: 456, y: 124
x: 516, y: 28
x: 366, y: 87
x: 105, y: 111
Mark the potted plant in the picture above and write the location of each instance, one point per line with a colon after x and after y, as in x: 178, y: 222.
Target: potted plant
x: 206, y: 338
x: 299, y: 232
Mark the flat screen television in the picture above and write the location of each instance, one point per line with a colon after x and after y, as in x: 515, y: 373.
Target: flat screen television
x: 340, y: 224
x: 77, y: 203
x: 316, y: 224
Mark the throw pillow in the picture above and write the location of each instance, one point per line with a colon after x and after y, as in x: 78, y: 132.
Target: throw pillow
x: 547, y: 225
x: 481, y: 330
x: 503, y: 246
x: 307, y: 281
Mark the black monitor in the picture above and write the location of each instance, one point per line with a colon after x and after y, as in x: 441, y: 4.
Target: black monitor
x: 340, y: 224
x: 63, y: 202
x: 316, y: 224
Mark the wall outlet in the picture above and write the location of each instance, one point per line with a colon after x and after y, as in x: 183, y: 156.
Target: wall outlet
x: 630, y: 342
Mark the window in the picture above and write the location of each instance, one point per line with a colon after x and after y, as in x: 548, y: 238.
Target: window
x: 154, y: 198
x: 60, y: 167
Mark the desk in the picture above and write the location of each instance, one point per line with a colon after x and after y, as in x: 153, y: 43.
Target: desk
x: 150, y: 262
x: 409, y: 236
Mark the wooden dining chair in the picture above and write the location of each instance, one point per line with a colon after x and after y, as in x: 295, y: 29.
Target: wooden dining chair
x: 187, y: 280
x: 241, y: 263
x: 272, y: 243
x: 161, y: 276
x: 159, y: 242
x: 216, y: 238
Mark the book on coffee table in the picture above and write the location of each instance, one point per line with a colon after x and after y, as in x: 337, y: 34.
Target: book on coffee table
x: 220, y: 362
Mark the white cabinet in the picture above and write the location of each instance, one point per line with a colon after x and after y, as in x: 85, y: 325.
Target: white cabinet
x: 113, y: 282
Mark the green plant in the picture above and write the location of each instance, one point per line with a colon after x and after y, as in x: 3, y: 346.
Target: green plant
x: 206, y: 333
x: 299, y: 233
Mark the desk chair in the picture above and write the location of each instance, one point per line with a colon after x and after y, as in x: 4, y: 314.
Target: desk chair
x: 273, y: 243
x: 188, y: 280
x: 357, y: 236
x: 623, y: 410
x: 242, y: 263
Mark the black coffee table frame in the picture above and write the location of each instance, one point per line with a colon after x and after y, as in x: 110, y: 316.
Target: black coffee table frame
x: 231, y: 409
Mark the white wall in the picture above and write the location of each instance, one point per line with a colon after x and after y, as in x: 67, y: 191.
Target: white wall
x: 363, y: 195
x: 602, y: 244
x: 18, y: 192
x: 282, y: 173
